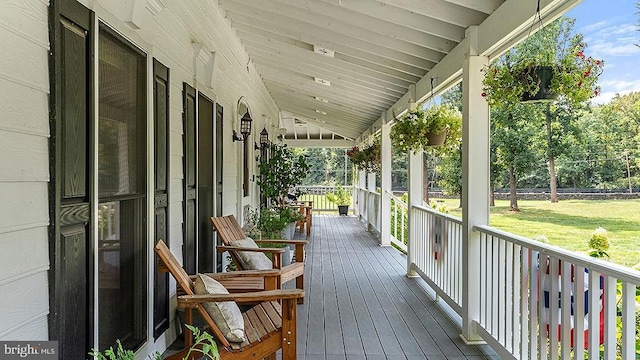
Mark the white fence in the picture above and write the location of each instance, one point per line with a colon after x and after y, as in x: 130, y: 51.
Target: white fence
x: 438, y: 253
x: 536, y: 301
x: 368, y: 207
x: 317, y: 194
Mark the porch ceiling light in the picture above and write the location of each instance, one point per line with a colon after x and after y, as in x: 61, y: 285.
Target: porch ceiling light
x: 323, y: 51
x: 321, y: 99
x: 321, y: 112
x: 245, y: 127
x: 322, y: 81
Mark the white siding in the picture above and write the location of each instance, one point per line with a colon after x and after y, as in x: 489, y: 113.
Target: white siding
x: 24, y: 130
x: 24, y: 170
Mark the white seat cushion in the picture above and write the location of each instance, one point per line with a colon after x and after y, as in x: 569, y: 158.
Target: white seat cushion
x: 251, y: 260
x: 225, y: 314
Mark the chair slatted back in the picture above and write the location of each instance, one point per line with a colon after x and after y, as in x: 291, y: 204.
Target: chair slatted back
x: 228, y: 229
x: 186, y: 284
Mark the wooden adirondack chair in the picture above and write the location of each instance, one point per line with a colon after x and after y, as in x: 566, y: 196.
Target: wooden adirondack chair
x: 229, y: 230
x: 269, y: 325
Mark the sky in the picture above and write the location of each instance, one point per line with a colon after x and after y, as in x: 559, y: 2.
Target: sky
x: 611, y: 33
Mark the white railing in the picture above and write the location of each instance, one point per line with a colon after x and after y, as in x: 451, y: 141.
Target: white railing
x: 318, y: 194
x: 537, y: 301
x: 438, y: 253
x: 529, y: 291
x: 368, y: 207
x: 399, y: 222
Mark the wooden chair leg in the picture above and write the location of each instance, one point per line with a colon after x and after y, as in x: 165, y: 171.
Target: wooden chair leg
x: 271, y: 357
x: 289, y: 315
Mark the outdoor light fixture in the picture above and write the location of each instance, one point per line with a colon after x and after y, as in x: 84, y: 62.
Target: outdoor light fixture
x: 245, y: 128
x: 264, y: 137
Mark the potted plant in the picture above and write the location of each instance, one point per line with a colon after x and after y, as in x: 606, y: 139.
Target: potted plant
x: 548, y: 65
x: 281, y: 173
x: 420, y: 128
x: 341, y: 197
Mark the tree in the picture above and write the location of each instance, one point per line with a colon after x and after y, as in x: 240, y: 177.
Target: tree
x: 514, y: 149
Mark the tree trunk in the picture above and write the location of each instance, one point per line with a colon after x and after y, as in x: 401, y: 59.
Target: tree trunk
x: 492, y: 196
x: 553, y: 184
x: 513, y: 194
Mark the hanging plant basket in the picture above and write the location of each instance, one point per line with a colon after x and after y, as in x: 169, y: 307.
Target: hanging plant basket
x: 435, y: 138
x: 542, y: 75
x: 420, y: 129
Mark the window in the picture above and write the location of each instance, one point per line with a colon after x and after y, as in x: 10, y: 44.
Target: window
x: 122, y: 166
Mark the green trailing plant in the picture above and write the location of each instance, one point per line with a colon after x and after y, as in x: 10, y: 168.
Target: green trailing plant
x: 599, y: 243
x: 412, y: 130
x: 120, y: 354
x: 513, y: 76
x: 340, y: 196
x: 281, y: 173
x: 203, y: 344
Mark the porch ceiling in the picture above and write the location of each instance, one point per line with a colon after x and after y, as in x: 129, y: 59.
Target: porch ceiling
x: 342, y: 65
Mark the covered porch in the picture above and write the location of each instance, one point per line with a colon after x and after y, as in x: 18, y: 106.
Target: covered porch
x: 361, y: 305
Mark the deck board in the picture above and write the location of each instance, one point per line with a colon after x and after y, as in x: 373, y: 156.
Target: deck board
x: 360, y: 305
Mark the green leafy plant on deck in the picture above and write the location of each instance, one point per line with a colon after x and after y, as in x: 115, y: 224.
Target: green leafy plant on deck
x: 203, y: 344
x: 340, y: 196
x: 281, y: 173
x: 120, y: 354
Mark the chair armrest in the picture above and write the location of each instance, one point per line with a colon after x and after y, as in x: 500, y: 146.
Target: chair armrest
x: 259, y: 296
x: 238, y: 248
x: 281, y: 241
x: 242, y: 273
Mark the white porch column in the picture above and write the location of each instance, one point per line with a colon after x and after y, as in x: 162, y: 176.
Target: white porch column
x: 475, y: 181
x: 415, y: 191
x: 385, y: 205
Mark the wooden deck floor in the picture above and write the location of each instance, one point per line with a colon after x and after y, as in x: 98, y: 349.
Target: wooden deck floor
x: 360, y: 305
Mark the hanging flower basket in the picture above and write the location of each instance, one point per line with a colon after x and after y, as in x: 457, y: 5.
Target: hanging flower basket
x: 419, y: 129
x: 542, y: 76
x: 564, y: 72
x: 367, y: 158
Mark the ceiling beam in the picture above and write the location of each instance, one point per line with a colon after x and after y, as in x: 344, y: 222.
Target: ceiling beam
x: 441, y: 10
x: 369, y: 64
x: 324, y: 143
x: 325, y: 14
x: 406, y: 18
x: 312, y: 88
x: 338, y: 126
x: 311, y: 102
x: 320, y: 65
x: 484, y: 6
x: 331, y: 97
x: 336, y: 31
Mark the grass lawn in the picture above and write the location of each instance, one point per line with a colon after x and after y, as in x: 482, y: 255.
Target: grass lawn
x: 569, y: 224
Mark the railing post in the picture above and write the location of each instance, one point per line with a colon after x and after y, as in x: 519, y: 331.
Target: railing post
x: 415, y: 193
x: 371, y: 187
x: 385, y: 201
x: 361, y: 199
x: 475, y: 181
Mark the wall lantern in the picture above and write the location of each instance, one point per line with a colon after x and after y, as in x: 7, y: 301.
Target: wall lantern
x: 245, y: 128
x: 264, y: 137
